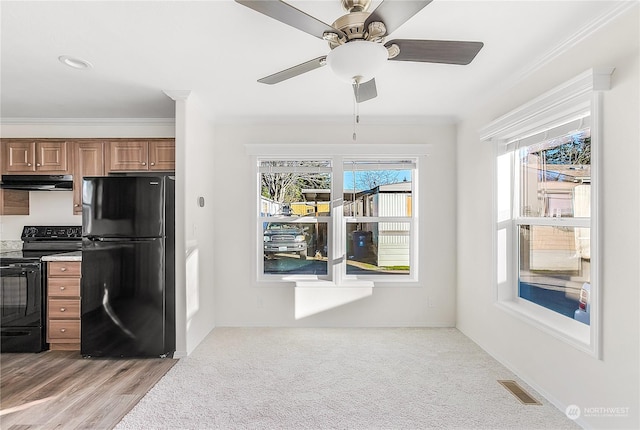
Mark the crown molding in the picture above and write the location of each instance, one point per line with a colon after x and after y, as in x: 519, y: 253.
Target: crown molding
x: 583, y: 33
x: 142, y: 122
x: 365, y: 120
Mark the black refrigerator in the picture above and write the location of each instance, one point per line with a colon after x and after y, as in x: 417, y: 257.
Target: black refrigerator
x: 128, y: 266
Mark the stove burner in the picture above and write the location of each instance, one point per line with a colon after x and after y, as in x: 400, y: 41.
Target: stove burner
x: 30, y: 233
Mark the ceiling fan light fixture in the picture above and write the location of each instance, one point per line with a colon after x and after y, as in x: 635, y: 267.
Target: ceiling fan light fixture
x: 358, y: 60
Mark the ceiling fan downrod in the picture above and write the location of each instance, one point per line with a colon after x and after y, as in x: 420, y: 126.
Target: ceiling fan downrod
x: 356, y: 5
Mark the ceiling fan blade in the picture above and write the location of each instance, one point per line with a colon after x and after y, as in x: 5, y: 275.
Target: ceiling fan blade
x: 294, y: 71
x: 365, y: 91
x: 394, y: 13
x: 436, y: 51
x: 289, y: 15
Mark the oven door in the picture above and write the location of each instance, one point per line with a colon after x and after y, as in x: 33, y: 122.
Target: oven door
x: 21, y: 309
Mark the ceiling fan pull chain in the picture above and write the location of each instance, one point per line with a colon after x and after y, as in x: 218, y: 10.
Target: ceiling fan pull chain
x: 356, y: 111
x: 355, y: 107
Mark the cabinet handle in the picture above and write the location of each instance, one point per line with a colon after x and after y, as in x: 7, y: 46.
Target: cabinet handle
x: 62, y: 288
x: 76, y: 205
x: 37, y: 164
x: 153, y: 164
x: 28, y: 164
x: 62, y: 330
x: 144, y: 164
x: 63, y: 269
x: 62, y: 309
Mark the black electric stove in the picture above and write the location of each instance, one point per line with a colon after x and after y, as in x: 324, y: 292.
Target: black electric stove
x: 22, y: 282
x: 44, y: 240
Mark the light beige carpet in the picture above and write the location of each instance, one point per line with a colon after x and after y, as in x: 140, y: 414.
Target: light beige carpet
x: 330, y: 378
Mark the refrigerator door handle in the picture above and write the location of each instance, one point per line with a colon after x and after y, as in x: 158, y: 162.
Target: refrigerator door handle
x: 121, y: 239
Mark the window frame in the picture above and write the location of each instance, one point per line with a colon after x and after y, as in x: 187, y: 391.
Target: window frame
x: 411, y: 220
x: 336, y: 227
x: 565, y: 106
x: 292, y: 219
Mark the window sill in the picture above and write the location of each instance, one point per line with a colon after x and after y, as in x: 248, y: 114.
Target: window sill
x: 568, y: 330
x: 330, y: 284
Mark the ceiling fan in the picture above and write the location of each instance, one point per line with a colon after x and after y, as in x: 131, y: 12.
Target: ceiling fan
x: 357, y: 41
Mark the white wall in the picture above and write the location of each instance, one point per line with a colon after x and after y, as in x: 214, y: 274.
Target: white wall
x: 240, y: 302
x: 198, y: 221
x: 564, y: 374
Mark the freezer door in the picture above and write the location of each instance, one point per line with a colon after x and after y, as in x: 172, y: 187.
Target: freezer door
x: 119, y: 206
x: 124, y: 299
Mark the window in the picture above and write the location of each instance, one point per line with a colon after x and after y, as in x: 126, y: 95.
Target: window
x: 295, y: 211
x: 337, y: 218
x: 378, y: 197
x: 546, y: 201
x: 553, y: 223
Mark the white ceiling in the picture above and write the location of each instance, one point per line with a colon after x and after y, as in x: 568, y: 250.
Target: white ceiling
x: 217, y: 49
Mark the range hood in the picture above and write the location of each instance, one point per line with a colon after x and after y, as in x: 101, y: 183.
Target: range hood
x: 37, y: 182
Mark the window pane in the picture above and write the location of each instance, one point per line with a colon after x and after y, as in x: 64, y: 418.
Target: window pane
x: 378, y: 248
x: 503, y: 192
x: 556, y: 177
x: 502, y: 249
x: 378, y: 189
x: 295, y: 248
x: 295, y: 193
x: 554, y: 267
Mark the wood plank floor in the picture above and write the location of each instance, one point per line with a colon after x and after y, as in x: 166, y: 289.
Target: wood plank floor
x: 62, y: 390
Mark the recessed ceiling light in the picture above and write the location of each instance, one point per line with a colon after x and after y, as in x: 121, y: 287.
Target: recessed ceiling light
x: 76, y: 63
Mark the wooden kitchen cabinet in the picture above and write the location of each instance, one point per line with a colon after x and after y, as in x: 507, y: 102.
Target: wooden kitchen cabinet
x: 63, y: 305
x: 14, y: 202
x: 35, y: 156
x: 88, y: 160
x: 142, y: 155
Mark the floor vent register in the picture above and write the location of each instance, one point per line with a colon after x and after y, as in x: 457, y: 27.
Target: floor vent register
x: 520, y: 393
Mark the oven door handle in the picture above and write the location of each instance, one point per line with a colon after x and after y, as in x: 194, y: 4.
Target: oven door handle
x: 21, y: 266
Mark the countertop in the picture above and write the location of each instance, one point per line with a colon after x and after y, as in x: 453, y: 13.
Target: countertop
x: 67, y: 256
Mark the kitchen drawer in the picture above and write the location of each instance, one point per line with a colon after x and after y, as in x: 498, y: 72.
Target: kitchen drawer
x: 64, y: 330
x: 64, y: 268
x: 67, y: 309
x: 68, y: 287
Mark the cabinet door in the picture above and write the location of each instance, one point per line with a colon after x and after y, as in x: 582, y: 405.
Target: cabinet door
x: 14, y: 202
x: 162, y: 155
x: 128, y: 156
x: 88, y: 161
x: 19, y: 157
x: 52, y: 157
